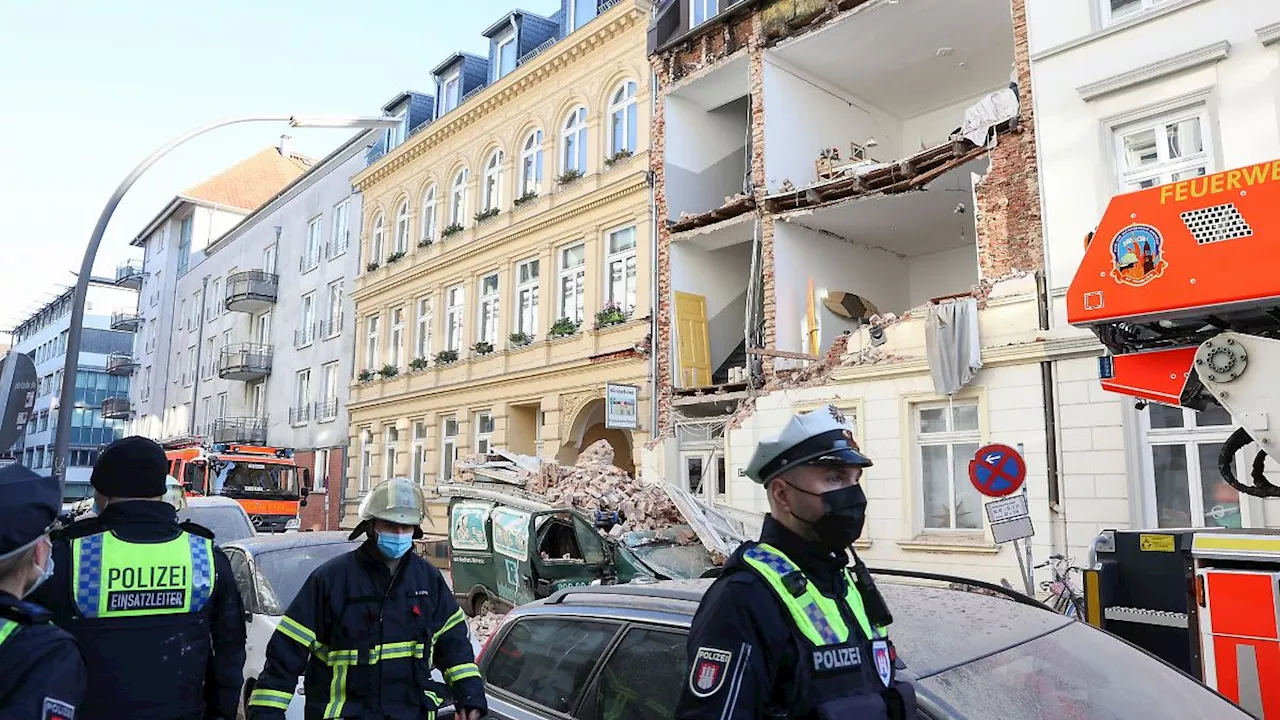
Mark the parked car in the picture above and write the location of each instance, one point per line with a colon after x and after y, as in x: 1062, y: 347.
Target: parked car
x: 224, y: 516
x: 619, y: 652
x: 269, y: 570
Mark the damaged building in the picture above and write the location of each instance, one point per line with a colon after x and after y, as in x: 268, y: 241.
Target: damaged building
x: 848, y: 212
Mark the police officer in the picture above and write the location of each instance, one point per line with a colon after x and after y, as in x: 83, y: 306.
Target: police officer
x: 367, y: 627
x: 42, y: 676
x: 787, y: 631
x: 153, y: 603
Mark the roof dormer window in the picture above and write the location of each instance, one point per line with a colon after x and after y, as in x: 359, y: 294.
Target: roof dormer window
x: 505, y: 57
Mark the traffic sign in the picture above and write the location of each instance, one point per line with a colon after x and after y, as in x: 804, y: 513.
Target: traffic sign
x: 997, y: 470
x: 18, y: 395
x: 1010, y: 518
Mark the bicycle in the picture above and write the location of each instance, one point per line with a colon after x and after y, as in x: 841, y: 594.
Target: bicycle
x: 1064, y: 597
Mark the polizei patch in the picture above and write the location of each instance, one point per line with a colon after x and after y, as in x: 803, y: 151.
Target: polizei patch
x: 55, y: 709
x: 710, y: 666
x: 147, y: 588
x: 833, y: 659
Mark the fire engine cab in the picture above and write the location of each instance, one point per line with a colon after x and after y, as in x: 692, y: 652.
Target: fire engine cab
x: 264, y: 480
x: 1180, y: 283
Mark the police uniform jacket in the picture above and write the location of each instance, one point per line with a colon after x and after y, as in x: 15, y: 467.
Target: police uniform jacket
x: 748, y: 660
x: 366, y: 639
x: 179, y: 664
x: 42, y: 676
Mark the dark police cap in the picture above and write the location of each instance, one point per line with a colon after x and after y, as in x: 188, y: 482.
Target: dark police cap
x: 132, y: 467
x: 29, y: 503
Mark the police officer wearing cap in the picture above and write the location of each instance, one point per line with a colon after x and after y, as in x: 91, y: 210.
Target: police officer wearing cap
x: 787, y: 631
x: 42, y: 676
x: 152, y: 602
x: 367, y: 627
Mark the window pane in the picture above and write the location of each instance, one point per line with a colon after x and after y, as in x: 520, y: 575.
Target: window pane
x: 968, y: 499
x: 643, y: 677
x: 1173, y: 498
x: 933, y: 420
x: 1163, y: 416
x: 1120, y: 8
x: 1213, y: 415
x: 622, y: 240
x: 693, y: 466
x: 1188, y: 174
x: 1184, y: 138
x: 935, y: 482
x: 546, y: 661
x: 964, y: 417
x: 1140, y: 149
x: 1221, y: 501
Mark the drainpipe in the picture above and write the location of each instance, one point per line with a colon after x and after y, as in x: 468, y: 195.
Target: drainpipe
x: 1050, y: 403
x: 195, y: 384
x: 653, y: 258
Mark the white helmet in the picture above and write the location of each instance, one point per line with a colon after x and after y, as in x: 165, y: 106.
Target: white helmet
x: 173, y: 493
x: 398, y: 500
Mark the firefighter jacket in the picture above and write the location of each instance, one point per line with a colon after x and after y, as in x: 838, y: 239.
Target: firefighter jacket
x: 41, y: 673
x: 783, y: 633
x: 156, y: 611
x: 366, y: 639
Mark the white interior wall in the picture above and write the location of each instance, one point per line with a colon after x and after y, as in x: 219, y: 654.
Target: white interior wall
x: 705, y: 161
x: 800, y: 253
x: 721, y: 277
x: 803, y: 115
x: 941, y: 273
x: 933, y: 128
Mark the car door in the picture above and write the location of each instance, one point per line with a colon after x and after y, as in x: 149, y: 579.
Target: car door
x: 640, y: 678
x: 541, y: 665
x: 256, y: 633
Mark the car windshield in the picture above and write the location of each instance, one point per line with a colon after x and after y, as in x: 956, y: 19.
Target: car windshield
x: 239, y: 476
x: 675, y: 561
x: 282, y: 572
x: 227, y: 523
x: 1075, y: 673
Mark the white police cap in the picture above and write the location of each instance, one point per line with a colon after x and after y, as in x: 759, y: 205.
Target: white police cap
x: 818, y: 437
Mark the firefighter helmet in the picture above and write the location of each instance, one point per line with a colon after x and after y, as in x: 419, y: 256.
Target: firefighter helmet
x: 398, y: 500
x: 173, y: 493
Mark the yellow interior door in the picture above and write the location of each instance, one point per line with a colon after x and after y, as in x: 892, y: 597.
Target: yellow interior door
x: 692, y: 343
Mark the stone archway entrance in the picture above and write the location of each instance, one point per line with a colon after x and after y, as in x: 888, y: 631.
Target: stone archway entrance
x: 588, y: 427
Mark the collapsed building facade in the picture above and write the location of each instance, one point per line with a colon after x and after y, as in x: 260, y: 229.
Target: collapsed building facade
x: 848, y: 212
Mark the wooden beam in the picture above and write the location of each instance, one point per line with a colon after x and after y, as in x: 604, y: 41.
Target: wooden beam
x: 782, y: 354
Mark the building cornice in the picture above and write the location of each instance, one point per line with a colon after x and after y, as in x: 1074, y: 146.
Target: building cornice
x: 1270, y: 34
x: 1153, y: 71
x: 1019, y: 354
x: 546, y: 66
x: 533, y: 225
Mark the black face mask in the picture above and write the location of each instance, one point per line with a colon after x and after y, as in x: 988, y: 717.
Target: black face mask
x: 844, y: 513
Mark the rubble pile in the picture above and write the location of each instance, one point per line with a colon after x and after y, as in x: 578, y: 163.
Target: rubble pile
x: 595, y: 483
x: 482, y: 626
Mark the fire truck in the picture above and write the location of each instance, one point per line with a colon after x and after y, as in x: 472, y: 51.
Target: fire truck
x: 1181, y: 283
x: 264, y: 480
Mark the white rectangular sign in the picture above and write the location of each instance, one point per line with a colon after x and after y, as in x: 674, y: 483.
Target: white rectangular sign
x: 622, y: 406
x: 1016, y: 529
x: 1007, y: 508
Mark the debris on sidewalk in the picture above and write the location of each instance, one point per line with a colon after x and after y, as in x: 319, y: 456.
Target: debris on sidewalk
x: 482, y: 626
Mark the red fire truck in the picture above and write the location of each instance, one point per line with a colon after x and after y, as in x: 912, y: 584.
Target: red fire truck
x: 264, y: 480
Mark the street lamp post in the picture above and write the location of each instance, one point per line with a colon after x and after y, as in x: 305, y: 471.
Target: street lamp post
x: 66, y: 397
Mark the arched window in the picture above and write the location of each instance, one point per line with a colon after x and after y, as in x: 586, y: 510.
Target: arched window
x: 429, y: 214
x: 531, y: 164
x: 493, y: 181
x: 573, y: 139
x: 402, y: 227
x: 458, y: 198
x: 622, y: 119
x: 375, y: 242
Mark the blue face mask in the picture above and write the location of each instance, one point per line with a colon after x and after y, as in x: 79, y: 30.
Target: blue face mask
x: 394, y: 546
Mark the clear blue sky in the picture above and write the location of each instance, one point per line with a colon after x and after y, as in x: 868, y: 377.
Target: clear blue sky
x: 93, y: 86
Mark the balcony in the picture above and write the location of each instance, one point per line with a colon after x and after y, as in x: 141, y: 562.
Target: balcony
x: 248, y: 430
x: 125, y: 321
x: 327, y: 411
x: 304, y: 336
x: 121, y: 364
x: 251, y: 291
x: 331, y: 327
x: 244, y: 361
x: 300, y: 415
x: 309, y: 261
x: 129, y: 275
x: 117, y: 408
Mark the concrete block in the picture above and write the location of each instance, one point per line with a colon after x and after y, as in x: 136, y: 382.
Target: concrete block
x: 1075, y: 392
x: 1107, y: 438
x: 1075, y: 439
x: 1111, y: 485
x: 1088, y: 416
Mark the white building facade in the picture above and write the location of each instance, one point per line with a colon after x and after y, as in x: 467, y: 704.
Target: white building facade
x: 1131, y: 94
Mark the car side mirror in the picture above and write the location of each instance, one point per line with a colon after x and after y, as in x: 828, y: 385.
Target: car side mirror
x: 302, y: 502
x: 248, y: 617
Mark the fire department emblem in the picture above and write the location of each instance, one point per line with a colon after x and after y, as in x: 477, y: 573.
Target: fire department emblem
x: 884, y: 663
x: 710, y: 666
x: 1137, y: 255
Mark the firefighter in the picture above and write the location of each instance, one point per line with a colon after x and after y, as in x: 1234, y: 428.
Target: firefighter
x: 42, y: 675
x: 152, y: 602
x: 367, y: 627
x: 787, y: 631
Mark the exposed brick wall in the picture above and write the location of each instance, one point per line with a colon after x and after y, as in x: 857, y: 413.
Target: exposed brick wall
x: 1010, y: 226
x: 313, y: 515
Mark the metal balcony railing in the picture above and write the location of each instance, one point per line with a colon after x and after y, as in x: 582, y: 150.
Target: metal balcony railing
x: 309, y: 261
x: 304, y: 336
x: 331, y: 327
x: 251, y: 291
x: 327, y: 410
x: 245, y: 361
x: 300, y: 415
x: 120, y: 364
x: 125, y: 321
x: 117, y: 408
x: 249, y: 430
x: 129, y: 274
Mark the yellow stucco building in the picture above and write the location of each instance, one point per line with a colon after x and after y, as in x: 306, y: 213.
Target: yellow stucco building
x: 494, y: 240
